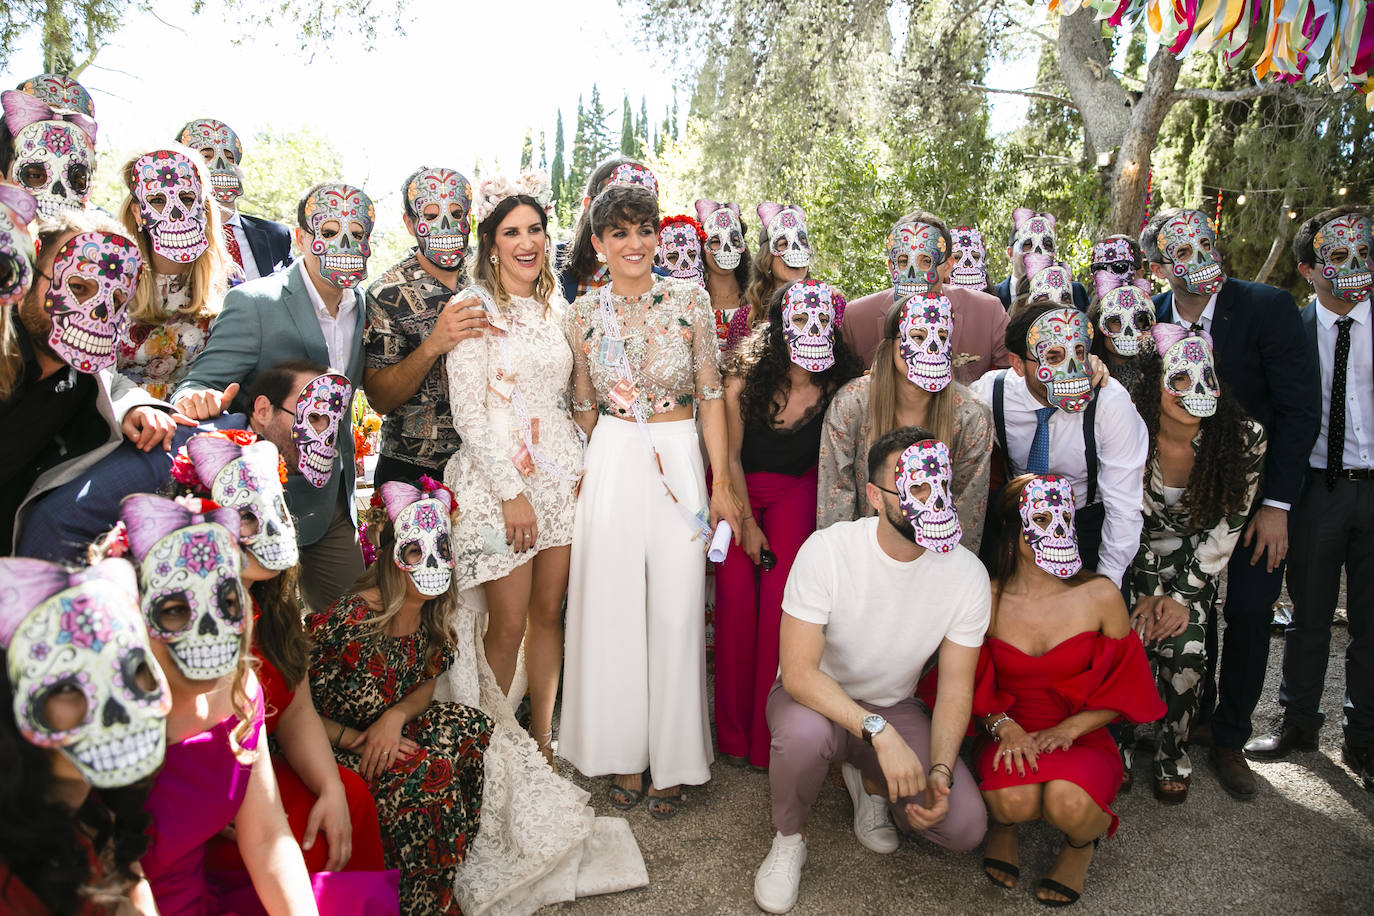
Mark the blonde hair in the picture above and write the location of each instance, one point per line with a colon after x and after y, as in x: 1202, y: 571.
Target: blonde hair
x: 882, y: 390
x: 47, y: 232
x: 763, y: 284
x: 210, y: 272
x: 489, y: 274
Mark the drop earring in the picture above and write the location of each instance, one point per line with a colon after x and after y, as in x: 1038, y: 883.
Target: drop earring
x: 601, y: 257
x: 493, y: 258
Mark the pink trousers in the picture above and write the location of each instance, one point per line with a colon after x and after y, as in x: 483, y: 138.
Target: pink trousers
x: 749, y: 611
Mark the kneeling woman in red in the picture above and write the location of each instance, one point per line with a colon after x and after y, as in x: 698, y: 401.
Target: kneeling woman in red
x: 1060, y: 662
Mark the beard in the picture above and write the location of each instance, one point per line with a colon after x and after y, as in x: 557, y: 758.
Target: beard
x: 897, y: 520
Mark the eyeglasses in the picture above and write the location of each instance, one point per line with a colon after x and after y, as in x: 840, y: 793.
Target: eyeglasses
x: 886, y: 490
x: 1116, y: 267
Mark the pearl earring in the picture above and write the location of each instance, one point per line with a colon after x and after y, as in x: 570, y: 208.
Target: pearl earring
x: 601, y: 257
x: 494, y: 259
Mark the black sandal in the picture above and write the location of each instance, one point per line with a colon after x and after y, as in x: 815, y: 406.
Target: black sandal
x: 628, y: 798
x: 1056, y: 887
x: 671, y: 802
x: 999, y: 865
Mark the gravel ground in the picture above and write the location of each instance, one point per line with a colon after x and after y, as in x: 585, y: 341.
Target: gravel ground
x: 1304, y: 845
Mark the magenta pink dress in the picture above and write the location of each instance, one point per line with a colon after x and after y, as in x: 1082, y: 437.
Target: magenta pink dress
x: 195, y: 795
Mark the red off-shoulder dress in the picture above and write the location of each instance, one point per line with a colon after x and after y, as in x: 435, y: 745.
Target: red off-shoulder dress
x: 1089, y: 671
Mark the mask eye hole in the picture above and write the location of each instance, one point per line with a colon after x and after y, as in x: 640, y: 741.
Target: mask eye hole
x: 1112, y: 325
x: 248, y: 522
x: 1209, y: 377
x: 9, y: 273
x: 157, y: 202
x: 799, y: 320
x: 1184, y: 253
x: 1055, y: 355
x: 1041, y: 520
x: 171, y: 613
x: 229, y: 603
x: 445, y: 552
x: 62, y: 706
x: 1048, y: 244
x: 1180, y: 382
x: 1144, y: 321
x: 79, y: 178
x: 188, y: 199
x: 919, y: 491
x: 34, y: 175
x: 412, y: 553
x: 137, y: 671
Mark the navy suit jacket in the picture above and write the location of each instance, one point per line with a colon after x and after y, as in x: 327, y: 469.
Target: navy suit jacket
x: 1003, y: 292
x: 1263, y: 355
x: 269, y: 242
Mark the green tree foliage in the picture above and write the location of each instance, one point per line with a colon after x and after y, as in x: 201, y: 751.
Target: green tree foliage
x: 582, y: 154
x: 527, y: 151
x: 559, y: 177
x: 628, y: 146
x: 72, y: 32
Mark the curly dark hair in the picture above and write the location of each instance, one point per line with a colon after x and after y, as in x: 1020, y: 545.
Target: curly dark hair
x: 1004, y: 559
x: 38, y: 836
x: 763, y: 362
x: 1217, y: 486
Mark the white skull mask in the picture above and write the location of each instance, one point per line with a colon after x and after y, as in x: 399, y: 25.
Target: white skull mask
x: 248, y: 479
x: 923, y: 491
x: 786, y: 226
x: 421, y: 524
x: 1034, y: 236
x: 923, y: 339
x: 1053, y: 285
x: 1059, y: 341
x: 171, y: 202
x: 340, y: 220
x: 189, y: 567
x: 1046, y: 507
x: 319, y: 409
x: 808, y: 324
x: 971, y: 264
x: 54, y: 160
x: 220, y: 146
x: 1188, y: 243
x: 1189, y: 373
x: 441, y: 200
x: 724, y: 232
x: 82, y: 632
x: 915, y: 252
x: 1127, y: 315
x: 679, y: 249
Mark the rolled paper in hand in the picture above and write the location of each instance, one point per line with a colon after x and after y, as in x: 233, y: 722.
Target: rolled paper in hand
x: 720, y: 542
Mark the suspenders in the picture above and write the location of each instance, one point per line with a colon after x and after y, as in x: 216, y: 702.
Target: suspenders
x: 999, y: 420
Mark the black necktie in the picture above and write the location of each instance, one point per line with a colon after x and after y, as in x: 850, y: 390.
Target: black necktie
x: 1335, y: 426
x: 1195, y: 327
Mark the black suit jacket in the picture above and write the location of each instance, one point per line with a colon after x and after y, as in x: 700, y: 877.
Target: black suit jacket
x: 1264, y: 358
x: 269, y: 241
x: 1003, y: 291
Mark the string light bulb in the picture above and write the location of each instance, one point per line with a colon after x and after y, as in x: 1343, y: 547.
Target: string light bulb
x: 1341, y: 192
x: 1292, y: 214
x: 1240, y: 200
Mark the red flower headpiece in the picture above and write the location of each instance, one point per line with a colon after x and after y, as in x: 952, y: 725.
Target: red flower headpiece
x: 685, y: 220
x: 184, y: 469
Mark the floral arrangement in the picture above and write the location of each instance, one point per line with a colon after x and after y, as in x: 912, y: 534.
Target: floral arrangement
x: 491, y: 191
x: 375, y: 515
x: 366, y: 425
x: 184, y: 470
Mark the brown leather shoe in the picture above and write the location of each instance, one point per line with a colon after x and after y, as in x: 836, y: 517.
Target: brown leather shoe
x: 1233, y: 772
x: 1200, y: 735
x: 1277, y: 746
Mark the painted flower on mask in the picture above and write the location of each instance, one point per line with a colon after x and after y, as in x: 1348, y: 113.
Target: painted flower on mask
x: 57, y: 140
x: 199, y: 553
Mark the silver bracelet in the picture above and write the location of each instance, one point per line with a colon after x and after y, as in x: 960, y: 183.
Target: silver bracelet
x: 997, y: 724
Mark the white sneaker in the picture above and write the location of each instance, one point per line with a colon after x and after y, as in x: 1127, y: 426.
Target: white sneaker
x: 872, y: 823
x: 778, y: 880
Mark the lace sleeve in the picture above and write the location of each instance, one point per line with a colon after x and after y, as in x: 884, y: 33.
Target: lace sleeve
x: 468, y: 374
x: 583, y: 390
x: 705, y: 349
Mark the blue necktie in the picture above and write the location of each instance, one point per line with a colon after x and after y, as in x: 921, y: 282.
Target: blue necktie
x: 1039, y: 460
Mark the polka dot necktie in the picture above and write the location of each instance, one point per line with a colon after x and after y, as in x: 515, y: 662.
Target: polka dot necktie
x: 1038, y: 462
x: 1335, y: 427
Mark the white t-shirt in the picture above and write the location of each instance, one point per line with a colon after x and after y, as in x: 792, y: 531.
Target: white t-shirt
x: 884, y: 618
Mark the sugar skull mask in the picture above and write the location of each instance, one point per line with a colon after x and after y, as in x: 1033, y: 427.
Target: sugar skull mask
x: 923, y: 339
x: 923, y: 491
x: 1126, y: 316
x: 1053, y: 285
x: 679, y: 249
x: 60, y: 92
x: 171, y: 202
x: 17, y: 210
x: 54, y: 152
x: 189, y: 568
x: 970, y: 259
x: 340, y: 220
x: 1188, y: 244
x: 441, y: 200
x: 914, y: 253
x: 247, y: 480
x: 724, y: 232
x: 1032, y: 242
x: 1047, y: 525
x: 220, y: 146
x: 808, y: 325
x: 1059, y: 342
x: 632, y: 175
x: 1343, y: 248
x: 1114, y: 264
x: 421, y: 523
x: 1189, y: 372
x: 786, y: 227
x: 321, y: 405
x: 93, y: 276
x: 77, y: 640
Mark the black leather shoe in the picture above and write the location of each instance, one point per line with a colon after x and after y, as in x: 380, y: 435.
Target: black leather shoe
x: 1277, y: 746
x: 1233, y: 772
x: 1200, y: 734
x: 1361, y: 760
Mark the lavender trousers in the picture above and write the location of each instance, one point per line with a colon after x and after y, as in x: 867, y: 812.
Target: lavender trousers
x: 805, y: 743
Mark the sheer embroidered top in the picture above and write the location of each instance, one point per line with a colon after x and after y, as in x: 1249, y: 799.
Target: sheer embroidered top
x: 669, y: 336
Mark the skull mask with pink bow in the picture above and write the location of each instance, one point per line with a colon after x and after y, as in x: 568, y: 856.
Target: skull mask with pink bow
x: 724, y: 232
x: 786, y: 228
x: 246, y: 478
x: 420, y: 520
x: 1032, y: 242
x: 1126, y: 316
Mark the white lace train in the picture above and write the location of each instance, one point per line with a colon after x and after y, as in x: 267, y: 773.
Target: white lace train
x: 539, y: 843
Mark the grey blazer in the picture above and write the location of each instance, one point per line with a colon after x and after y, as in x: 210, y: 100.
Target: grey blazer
x: 263, y: 322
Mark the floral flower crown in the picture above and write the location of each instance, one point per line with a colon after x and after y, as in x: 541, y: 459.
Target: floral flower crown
x: 371, y: 519
x: 685, y: 220
x: 184, y: 469
x: 491, y: 191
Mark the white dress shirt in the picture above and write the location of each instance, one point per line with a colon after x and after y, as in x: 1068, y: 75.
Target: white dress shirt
x: 250, y: 264
x: 1122, y: 445
x: 337, y: 329
x: 1205, y: 319
x: 1359, y: 387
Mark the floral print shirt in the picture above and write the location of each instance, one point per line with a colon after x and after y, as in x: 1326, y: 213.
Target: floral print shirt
x: 157, y: 356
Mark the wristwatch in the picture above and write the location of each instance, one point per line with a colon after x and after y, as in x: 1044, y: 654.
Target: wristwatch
x: 872, y: 725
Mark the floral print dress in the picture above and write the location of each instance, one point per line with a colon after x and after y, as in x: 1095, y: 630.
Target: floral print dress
x: 157, y: 356
x: 430, y: 804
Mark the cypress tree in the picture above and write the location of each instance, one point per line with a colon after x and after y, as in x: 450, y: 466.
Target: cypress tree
x: 527, y: 152
x: 559, y: 172
x: 627, y: 129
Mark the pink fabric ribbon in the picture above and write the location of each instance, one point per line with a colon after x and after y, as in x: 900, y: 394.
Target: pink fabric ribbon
x: 150, y: 518
x: 28, y: 583
x: 22, y: 109
x: 396, y: 495
x: 1166, y: 334
x: 18, y: 200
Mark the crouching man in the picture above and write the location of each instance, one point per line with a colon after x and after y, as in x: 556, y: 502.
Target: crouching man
x: 867, y: 604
